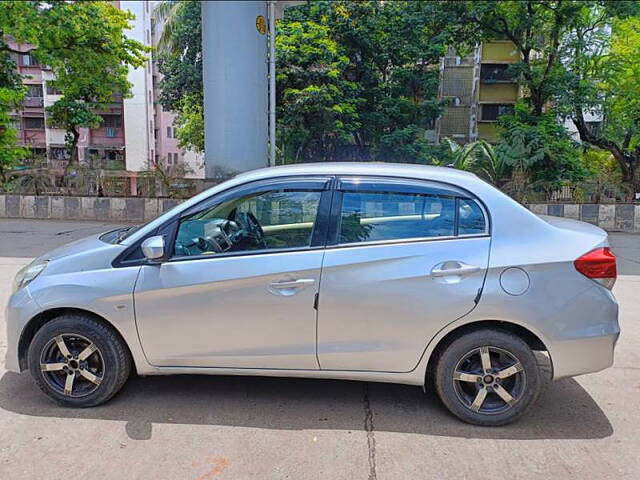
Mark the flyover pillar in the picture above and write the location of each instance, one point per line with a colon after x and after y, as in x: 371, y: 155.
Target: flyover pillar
x: 235, y: 72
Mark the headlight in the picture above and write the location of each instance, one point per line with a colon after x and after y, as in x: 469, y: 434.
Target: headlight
x: 27, y: 274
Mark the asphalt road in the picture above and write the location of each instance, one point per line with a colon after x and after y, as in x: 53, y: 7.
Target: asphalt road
x: 191, y: 427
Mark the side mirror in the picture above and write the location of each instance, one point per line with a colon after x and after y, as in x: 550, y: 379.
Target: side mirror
x: 153, y: 248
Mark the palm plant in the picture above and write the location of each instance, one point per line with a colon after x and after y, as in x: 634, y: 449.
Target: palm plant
x: 463, y: 155
x: 166, y: 14
x: 479, y: 157
x: 491, y: 165
x: 35, y: 181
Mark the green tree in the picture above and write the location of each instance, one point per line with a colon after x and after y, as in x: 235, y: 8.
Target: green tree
x: 180, y: 63
x: 382, y: 69
x: 539, y: 30
x: 14, y: 19
x: 90, y: 56
x: 316, y: 104
x: 539, y: 141
x: 84, y: 44
x: 10, y: 153
x: 603, y: 59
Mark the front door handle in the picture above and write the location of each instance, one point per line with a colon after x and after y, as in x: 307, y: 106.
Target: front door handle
x: 453, y: 268
x: 300, y: 283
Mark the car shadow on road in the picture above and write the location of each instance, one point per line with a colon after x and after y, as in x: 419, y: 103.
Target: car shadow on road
x: 564, y: 411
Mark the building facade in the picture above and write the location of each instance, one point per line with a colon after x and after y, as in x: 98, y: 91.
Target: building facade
x: 477, y: 89
x: 135, y: 134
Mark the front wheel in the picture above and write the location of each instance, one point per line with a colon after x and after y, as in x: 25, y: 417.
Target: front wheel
x: 487, y: 377
x: 78, y: 361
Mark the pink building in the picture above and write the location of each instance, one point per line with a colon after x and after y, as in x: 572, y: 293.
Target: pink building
x: 135, y: 132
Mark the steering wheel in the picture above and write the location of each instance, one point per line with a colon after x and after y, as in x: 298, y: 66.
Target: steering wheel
x: 252, y: 229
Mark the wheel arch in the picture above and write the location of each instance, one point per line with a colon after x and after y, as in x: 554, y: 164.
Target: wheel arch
x: 44, y: 317
x: 531, y: 338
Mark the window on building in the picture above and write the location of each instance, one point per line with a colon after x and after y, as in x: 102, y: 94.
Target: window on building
x: 490, y: 112
x: 151, y: 126
x: 59, y: 153
x: 168, y: 132
x: 34, y: 91
x: 116, y: 97
x: 496, y: 73
x: 111, y: 121
x: 113, y: 155
x: 52, y: 90
x: 27, y: 60
x: 150, y: 97
x: 34, y: 123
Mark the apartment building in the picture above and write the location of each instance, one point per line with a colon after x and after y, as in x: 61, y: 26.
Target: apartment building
x: 478, y: 89
x: 135, y: 132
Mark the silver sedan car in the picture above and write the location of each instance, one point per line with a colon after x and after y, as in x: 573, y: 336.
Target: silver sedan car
x: 373, y: 272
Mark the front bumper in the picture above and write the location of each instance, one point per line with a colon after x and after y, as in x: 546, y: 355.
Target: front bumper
x: 20, y: 309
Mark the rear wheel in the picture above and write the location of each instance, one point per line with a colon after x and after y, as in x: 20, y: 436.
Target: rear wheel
x: 487, y: 377
x: 78, y: 361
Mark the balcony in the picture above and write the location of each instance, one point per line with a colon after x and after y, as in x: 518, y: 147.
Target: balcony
x: 496, y: 73
x: 33, y: 102
x: 107, y: 136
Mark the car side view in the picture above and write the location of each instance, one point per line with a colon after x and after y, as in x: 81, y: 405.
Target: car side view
x: 407, y: 274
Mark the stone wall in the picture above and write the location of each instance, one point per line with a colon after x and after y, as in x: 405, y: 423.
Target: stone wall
x: 102, y: 209
x: 619, y: 217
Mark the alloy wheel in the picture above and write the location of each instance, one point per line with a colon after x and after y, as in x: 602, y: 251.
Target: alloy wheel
x: 489, y: 380
x: 72, y: 365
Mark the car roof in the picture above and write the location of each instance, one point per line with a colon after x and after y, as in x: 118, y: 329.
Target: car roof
x: 430, y: 172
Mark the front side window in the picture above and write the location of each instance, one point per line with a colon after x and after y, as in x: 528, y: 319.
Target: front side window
x: 368, y: 217
x: 275, y: 219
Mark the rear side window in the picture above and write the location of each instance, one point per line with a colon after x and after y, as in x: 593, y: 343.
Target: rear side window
x: 370, y: 217
x: 373, y: 212
x: 470, y: 218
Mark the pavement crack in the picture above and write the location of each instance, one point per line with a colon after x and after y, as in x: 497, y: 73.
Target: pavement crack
x: 369, y: 427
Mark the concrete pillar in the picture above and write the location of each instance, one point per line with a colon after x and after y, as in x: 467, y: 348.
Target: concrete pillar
x: 235, y: 87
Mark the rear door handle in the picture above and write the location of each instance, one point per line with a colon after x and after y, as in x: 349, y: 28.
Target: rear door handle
x: 453, y: 268
x: 300, y: 283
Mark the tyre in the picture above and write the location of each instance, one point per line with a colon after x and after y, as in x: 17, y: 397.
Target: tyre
x: 487, y: 377
x: 78, y: 361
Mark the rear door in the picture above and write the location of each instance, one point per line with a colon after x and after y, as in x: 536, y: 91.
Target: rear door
x: 404, y: 259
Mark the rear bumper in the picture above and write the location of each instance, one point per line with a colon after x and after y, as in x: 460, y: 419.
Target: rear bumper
x: 585, y: 355
x: 591, y: 340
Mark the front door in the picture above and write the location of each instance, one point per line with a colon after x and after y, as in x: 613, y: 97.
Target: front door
x: 239, y: 290
x: 407, y: 259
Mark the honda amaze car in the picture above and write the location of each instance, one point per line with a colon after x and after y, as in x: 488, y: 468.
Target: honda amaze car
x: 374, y: 272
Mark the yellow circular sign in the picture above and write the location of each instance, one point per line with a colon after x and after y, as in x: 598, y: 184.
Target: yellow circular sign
x: 261, y: 24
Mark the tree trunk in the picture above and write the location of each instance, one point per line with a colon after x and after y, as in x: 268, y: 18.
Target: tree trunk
x: 629, y: 175
x: 74, y: 147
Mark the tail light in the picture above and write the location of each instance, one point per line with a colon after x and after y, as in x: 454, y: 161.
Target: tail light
x: 598, y: 265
